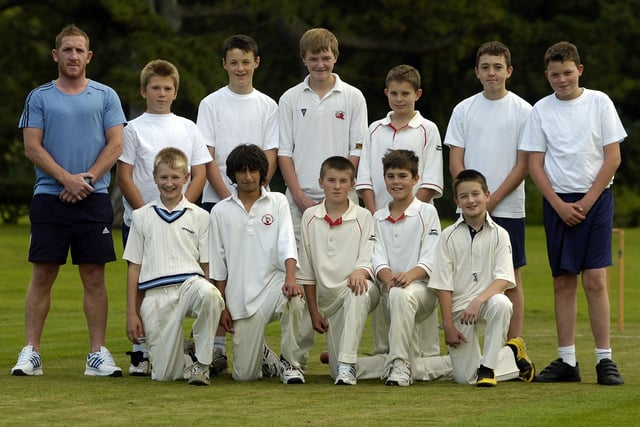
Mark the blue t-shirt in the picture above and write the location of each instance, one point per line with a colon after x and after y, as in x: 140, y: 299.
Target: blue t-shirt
x: 74, y: 129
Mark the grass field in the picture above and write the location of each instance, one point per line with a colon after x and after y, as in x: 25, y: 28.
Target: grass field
x: 64, y: 396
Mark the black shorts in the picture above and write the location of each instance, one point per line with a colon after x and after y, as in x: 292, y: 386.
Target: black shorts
x: 84, y: 227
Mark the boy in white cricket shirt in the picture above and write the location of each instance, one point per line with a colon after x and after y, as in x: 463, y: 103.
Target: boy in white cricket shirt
x: 144, y: 136
x: 335, y: 267
x: 472, y: 269
x: 168, y: 254
x: 403, y: 127
x: 253, y: 263
x: 407, y: 232
x: 322, y: 116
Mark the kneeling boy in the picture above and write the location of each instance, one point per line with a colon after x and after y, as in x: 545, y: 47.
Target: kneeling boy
x: 168, y: 254
x: 253, y: 263
x: 472, y: 269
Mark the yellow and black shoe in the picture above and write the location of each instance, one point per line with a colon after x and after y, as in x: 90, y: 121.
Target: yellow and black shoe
x: 486, y: 377
x: 525, y: 365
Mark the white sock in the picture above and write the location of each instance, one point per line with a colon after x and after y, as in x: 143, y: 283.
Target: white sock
x: 568, y: 354
x: 603, y: 353
x: 142, y: 347
x: 220, y: 343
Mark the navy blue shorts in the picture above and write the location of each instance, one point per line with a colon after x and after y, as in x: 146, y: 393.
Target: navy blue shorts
x: 515, y: 228
x: 83, y: 227
x: 584, y: 246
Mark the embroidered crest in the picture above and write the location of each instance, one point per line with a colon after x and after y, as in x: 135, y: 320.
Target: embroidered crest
x: 340, y: 115
x: 267, y: 219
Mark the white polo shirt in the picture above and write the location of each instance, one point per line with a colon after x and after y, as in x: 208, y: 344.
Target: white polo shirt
x: 169, y: 246
x: 572, y: 134
x: 228, y: 119
x: 408, y: 242
x: 420, y: 136
x: 329, y: 254
x: 147, y: 134
x: 467, y: 266
x: 490, y: 131
x: 314, y: 129
x: 249, y: 249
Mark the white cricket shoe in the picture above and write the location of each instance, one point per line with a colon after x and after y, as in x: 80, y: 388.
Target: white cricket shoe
x: 346, y: 374
x: 400, y: 374
x: 289, y: 374
x: 101, y: 364
x: 29, y: 363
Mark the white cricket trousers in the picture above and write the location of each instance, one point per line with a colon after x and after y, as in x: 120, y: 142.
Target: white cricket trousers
x: 297, y: 335
x: 164, y: 308
x: 346, y: 325
x: 408, y: 307
x: 466, y: 358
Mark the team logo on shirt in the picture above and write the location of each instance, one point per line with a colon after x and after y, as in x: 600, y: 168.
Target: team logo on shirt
x: 303, y: 111
x: 340, y: 115
x: 267, y: 219
x: 433, y: 232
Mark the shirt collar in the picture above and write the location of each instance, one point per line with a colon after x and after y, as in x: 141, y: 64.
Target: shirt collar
x: 350, y: 214
x: 338, y: 86
x: 183, y: 204
x: 412, y: 210
x: 415, y: 121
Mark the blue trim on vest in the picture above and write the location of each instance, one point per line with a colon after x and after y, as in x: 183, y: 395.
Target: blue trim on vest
x: 166, y: 280
x: 169, y: 216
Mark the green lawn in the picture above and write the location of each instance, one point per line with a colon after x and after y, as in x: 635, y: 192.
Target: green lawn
x: 65, y: 396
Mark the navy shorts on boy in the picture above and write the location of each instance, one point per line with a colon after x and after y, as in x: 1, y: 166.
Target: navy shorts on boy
x: 583, y: 246
x: 84, y: 227
x: 515, y: 227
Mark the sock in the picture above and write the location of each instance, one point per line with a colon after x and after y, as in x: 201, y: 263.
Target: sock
x: 221, y: 344
x: 568, y: 355
x: 603, y: 353
x: 142, y: 347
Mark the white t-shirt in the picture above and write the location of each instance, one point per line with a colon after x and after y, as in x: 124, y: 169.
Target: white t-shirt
x: 314, y: 129
x: 489, y: 131
x: 467, y: 266
x: 249, y: 249
x: 572, y: 134
x: 420, y: 136
x: 328, y: 255
x: 228, y: 119
x: 169, y: 246
x: 147, y: 134
x: 408, y: 242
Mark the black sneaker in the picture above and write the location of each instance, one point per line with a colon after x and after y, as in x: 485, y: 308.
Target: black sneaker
x: 559, y: 372
x: 486, y: 377
x: 608, y: 373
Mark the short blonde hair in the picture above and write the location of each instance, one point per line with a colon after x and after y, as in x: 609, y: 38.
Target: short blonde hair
x: 161, y: 68
x: 316, y: 40
x: 172, y: 157
x: 71, y: 30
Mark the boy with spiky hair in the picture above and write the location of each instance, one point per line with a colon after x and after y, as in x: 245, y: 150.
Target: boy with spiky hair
x: 573, y: 138
x: 168, y: 255
x: 253, y: 263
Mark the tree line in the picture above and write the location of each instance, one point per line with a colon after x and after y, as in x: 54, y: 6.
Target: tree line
x: 438, y: 38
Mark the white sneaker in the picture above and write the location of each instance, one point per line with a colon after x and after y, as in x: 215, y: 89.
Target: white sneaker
x: 199, y: 374
x: 270, y: 363
x: 289, y: 374
x: 400, y: 374
x: 140, y: 366
x: 346, y: 374
x: 29, y: 363
x: 101, y: 364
